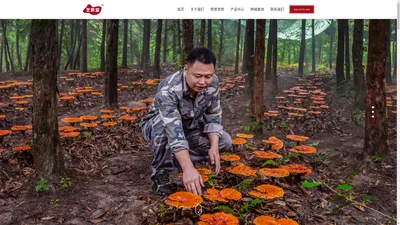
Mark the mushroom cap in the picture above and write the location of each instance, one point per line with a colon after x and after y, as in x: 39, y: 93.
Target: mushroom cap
x: 219, y: 218
x: 107, y: 116
x: 297, y: 137
x: 109, y: 124
x: 238, y: 141
x: 69, y: 134
x: 266, y: 155
x: 88, y: 117
x: 264, y: 220
x: 5, y: 132
x: 183, y: 199
x: 22, y: 148
x: 214, y: 195
x: 147, y: 100
x: 241, y: 169
x: 88, y: 124
x: 242, y: 135
x: 204, y: 171
x: 274, y: 172
x: 276, y: 143
x: 297, y: 169
x: 71, y: 119
x: 267, y: 191
x: 231, y: 194
x: 230, y: 157
x: 106, y: 110
x: 20, y: 128
x: 285, y: 221
x: 66, y: 128
x: 128, y: 118
x: 303, y: 149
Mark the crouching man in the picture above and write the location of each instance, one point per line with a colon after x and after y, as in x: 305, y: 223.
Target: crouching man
x: 184, y: 123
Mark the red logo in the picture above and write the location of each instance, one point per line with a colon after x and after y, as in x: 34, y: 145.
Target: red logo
x: 92, y: 10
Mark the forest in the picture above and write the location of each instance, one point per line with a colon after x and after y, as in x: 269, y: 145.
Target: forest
x: 310, y: 105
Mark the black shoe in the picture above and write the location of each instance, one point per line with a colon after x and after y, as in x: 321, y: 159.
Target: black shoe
x: 162, y: 185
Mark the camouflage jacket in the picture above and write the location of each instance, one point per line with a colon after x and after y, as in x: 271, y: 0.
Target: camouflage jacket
x: 179, y: 111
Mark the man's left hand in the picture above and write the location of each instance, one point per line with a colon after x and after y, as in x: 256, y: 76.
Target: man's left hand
x: 213, y: 152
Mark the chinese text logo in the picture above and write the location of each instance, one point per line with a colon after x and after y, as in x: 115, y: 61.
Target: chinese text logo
x: 92, y: 10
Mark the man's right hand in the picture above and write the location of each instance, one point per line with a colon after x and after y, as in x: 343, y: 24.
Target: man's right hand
x: 192, y: 180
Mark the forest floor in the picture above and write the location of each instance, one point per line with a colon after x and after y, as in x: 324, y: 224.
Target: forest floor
x: 109, y: 167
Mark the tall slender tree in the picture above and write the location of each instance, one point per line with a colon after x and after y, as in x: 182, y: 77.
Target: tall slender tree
x: 110, y: 74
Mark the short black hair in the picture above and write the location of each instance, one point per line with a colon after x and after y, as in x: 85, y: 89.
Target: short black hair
x: 203, y: 55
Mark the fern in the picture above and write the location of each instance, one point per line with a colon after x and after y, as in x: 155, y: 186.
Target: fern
x: 225, y: 209
x: 245, y: 185
x: 287, y: 157
x: 250, y: 205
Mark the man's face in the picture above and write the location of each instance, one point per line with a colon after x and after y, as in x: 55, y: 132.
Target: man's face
x: 199, y: 75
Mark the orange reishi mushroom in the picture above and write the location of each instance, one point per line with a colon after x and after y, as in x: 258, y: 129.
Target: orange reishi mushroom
x: 183, y: 199
x: 231, y: 194
x: 285, y: 221
x: 264, y: 220
x: 71, y: 120
x: 303, y: 149
x: 22, y: 148
x: 296, y: 138
x: 219, y: 218
x: 297, y: 169
x: 238, y: 141
x: 241, y: 169
x: 69, y: 134
x: 241, y: 135
x: 267, y: 191
x: 230, y: 157
x: 266, y: 155
x: 88, y: 124
x: 276, y: 143
x: 274, y: 172
x: 109, y: 124
x: 88, y: 117
x: 214, y: 195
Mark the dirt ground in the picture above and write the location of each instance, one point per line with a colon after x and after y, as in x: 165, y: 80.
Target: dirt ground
x: 110, y: 171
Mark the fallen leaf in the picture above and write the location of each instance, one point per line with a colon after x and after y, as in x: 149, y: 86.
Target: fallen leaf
x: 99, y: 213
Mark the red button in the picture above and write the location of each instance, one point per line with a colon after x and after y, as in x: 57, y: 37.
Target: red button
x: 301, y: 9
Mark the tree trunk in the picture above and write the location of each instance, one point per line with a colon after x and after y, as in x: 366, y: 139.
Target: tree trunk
x: 258, y: 80
x: 1, y: 56
x: 146, y: 45
x: 28, y: 49
x: 268, y: 72
x: 73, y: 43
x: 125, y: 46
x: 347, y: 55
x: 174, y: 42
x: 84, y: 47
x: 221, y: 36
x: 289, y: 54
x: 395, y: 51
x: 111, y: 66
x: 103, y: 46
x: 60, y: 45
x: 47, y: 152
x: 78, y: 51
x: 179, y: 34
x: 157, y: 51
x: 388, y: 58
x: 187, y: 27
x: 249, y: 55
x: 17, y: 45
x: 331, y: 44
x: 340, y: 52
x: 165, y: 41
x: 358, y: 72
x: 237, y: 48
x: 321, y: 46
x: 376, y: 129
x: 7, y: 48
x: 244, y: 61
x: 274, y: 63
x: 302, y: 47
x: 313, y: 45
x: 202, y: 32
x: 132, y: 50
x: 209, y: 35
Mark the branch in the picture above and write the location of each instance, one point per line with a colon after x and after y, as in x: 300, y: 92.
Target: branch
x: 360, y: 204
